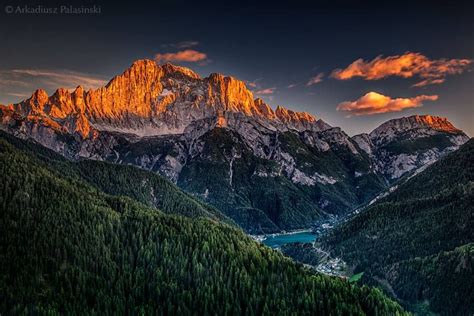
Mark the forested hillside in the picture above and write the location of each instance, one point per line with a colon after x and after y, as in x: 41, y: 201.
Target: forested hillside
x: 146, y: 187
x: 268, y: 195
x: 410, y: 239
x: 67, y: 247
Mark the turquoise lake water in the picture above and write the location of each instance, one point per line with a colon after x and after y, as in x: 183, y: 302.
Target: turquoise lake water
x: 280, y: 240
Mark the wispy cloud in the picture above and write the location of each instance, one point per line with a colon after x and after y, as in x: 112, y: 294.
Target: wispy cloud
x: 5, y: 81
x: 266, y: 91
x: 375, y: 103
x: 255, y: 84
x: 188, y: 55
x: 181, y: 45
x: 292, y: 85
x: 20, y: 83
x: 315, y: 80
x: 427, y: 82
x: 432, y: 71
x: 19, y: 95
x: 65, y: 78
x: 252, y: 84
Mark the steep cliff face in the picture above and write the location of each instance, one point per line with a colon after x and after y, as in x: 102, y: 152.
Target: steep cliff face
x: 149, y: 99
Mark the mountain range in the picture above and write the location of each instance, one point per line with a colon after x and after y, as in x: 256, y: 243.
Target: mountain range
x: 266, y: 170
x: 128, y: 199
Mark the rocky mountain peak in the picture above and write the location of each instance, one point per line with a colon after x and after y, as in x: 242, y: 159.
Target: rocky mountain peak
x: 61, y: 104
x: 427, y: 123
x: 151, y: 99
x: 170, y: 70
x: 230, y: 93
x: 405, y: 144
x: 141, y: 73
x: 417, y: 121
x: 216, y: 77
x: 38, y: 100
x: 286, y: 115
x: 435, y: 122
x: 79, y: 90
x: 40, y: 96
x: 264, y: 109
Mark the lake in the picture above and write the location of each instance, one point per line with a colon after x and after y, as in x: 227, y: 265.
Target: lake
x: 280, y: 240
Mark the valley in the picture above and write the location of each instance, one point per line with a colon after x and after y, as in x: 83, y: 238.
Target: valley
x: 188, y: 154
x: 158, y: 260
x: 415, y: 237
x: 267, y: 170
x: 236, y: 158
x: 278, y: 240
x: 300, y: 246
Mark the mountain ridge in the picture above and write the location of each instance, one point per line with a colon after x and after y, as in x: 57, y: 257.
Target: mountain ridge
x: 266, y: 169
x: 162, y: 99
x: 141, y: 91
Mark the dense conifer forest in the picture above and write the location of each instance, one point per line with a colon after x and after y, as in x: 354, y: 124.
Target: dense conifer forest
x: 419, y: 238
x: 68, y: 247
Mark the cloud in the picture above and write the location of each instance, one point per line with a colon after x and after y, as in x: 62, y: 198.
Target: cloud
x: 375, y: 103
x: 252, y: 84
x: 7, y: 81
x: 181, y: 45
x: 19, y: 95
x: 316, y: 79
x: 432, y: 71
x: 290, y: 86
x: 66, y: 79
x: 20, y: 83
x: 266, y: 91
x: 426, y: 82
x: 188, y: 55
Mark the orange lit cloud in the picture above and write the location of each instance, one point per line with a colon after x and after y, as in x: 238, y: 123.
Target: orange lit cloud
x: 316, y: 79
x: 266, y: 91
x: 188, y: 55
x: 432, y: 71
x: 375, y: 103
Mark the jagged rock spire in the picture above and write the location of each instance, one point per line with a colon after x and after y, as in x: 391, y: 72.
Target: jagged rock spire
x: 158, y: 99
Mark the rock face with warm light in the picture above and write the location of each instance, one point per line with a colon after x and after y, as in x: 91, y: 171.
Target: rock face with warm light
x: 403, y: 145
x: 393, y: 128
x: 267, y: 169
x: 148, y: 99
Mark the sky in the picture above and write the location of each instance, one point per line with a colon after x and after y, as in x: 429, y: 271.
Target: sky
x: 355, y: 64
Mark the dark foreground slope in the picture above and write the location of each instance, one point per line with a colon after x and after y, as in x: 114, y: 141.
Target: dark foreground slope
x: 419, y: 238
x: 67, y: 247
